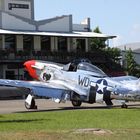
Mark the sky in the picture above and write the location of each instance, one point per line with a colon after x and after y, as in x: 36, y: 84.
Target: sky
x: 113, y: 17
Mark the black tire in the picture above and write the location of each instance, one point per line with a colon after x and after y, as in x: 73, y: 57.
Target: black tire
x: 32, y: 106
x: 124, y: 106
x: 76, y: 103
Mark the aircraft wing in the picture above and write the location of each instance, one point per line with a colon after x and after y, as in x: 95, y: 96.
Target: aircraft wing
x: 124, y: 78
x: 42, y: 89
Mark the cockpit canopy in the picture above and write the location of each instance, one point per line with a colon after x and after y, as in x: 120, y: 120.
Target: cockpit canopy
x: 84, y: 66
x: 89, y: 67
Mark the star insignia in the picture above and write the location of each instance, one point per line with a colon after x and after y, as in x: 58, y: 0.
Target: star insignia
x: 101, y: 86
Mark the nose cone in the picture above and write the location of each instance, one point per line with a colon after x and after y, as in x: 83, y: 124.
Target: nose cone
x: 29, y: 67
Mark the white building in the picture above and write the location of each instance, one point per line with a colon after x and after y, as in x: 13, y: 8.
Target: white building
x: 135, y: 47
x: 21, y: 35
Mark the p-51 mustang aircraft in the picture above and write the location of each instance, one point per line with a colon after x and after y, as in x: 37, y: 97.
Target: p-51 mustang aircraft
x: 77, y: 82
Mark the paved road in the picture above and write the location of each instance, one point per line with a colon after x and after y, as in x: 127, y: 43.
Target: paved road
x: 13, y: 106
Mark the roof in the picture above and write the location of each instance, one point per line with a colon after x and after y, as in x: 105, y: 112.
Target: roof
x: 135, y: 47
x: 60, y: 34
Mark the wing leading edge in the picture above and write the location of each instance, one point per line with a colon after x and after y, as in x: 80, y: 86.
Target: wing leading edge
x: 41, y: 89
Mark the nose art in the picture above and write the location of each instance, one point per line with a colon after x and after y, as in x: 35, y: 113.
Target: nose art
x: 28, y: 65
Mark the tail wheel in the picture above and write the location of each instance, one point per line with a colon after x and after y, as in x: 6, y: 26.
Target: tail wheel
x: 124, y: 106
x: 32, y: 106
x: 76, y: 103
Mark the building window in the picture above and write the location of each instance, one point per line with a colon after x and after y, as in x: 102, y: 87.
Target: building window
x: 10, y: 74
x: 62, y: 44
x: 81, y: 45
x: 15, y: 5
x: 45, y: 43
x: 10, y: 43
x: 28, y: 44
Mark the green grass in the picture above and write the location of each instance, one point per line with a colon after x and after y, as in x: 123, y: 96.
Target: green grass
x: 59, y: 125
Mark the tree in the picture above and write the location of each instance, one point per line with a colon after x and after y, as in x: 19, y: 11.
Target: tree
x: 111, y: 56
x: 97, y: 43
x: 113, y: 53
x: 131, y: 65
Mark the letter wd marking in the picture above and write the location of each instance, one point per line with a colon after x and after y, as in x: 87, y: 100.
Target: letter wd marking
x: 84, y: 81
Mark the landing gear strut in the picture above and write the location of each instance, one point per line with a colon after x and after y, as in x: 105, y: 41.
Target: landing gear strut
x: 30, y: 102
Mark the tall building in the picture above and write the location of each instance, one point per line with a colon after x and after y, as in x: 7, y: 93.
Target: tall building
x: 23, y: 38
x: 23, y: 8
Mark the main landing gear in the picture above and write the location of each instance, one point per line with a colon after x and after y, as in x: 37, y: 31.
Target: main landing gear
x: 30, y: 102
x: 124, y: 105
x: 76, y: 103
x: 75, y: 99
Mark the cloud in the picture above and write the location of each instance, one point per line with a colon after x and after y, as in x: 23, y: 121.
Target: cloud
x: 136, y: 27
x: 117, y: 41
x: 135, y: 32
x: 131, y: 36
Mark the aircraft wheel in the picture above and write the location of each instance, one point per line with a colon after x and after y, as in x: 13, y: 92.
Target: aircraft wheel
x: 124, y: 106
x: 76, y: 103
x: 32, y: 106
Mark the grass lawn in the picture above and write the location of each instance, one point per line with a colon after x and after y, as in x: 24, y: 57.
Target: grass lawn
x: 122, y: 124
